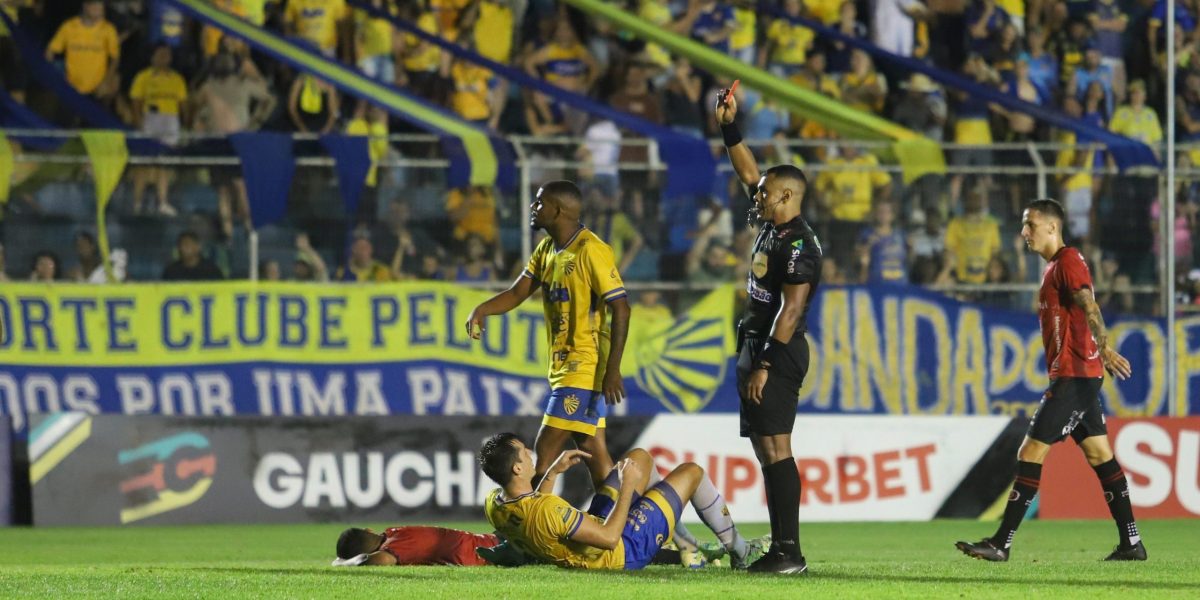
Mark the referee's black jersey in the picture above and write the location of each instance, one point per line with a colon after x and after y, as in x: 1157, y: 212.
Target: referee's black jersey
x: 783, y: 254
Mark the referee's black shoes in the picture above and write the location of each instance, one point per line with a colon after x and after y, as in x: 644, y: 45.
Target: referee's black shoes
x: 780, y: 563
x: 1134, y: 552
x: 984, y: 549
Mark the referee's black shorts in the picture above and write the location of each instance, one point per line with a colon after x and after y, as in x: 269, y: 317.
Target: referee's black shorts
x: 777, y: 412
x: 1070, y: 407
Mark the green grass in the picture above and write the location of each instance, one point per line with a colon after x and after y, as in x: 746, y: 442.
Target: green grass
x: 1052, y: 559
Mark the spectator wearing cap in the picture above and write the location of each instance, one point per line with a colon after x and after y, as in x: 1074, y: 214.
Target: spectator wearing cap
x: 1109, y: 21
x: 923, y: 107
x: 1093, y: 71
x: 1136, y: 120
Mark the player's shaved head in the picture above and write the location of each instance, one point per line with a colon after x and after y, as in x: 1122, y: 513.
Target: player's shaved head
x: 789, y: 176
x: 565, y: 195
x: 355, y: 541
x: 498, y: 455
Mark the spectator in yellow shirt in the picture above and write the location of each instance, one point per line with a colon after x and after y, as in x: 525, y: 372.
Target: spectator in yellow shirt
x: 472, y: 210
x: 370, y: 121
x: 564, y: 61
x: 972, y: 239
x: 362, y: 266
x: 318, y: 21
x: 1136, y: 120
x: 159, y: 99
x: 475, y: 96
x: 375, y: 43
x: 846, y: 190
x: 90, y: 49
x: 741, y: 41
x: 862, y: 86
x: 420, y: 60
x: 787, y: 43
x: 491, y: 22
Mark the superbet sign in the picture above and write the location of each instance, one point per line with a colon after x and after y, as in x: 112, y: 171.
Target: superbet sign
x: 1160, y: 457
x: 852, y: 468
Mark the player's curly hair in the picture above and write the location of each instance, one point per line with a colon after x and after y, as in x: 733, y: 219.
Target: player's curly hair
x: 355, y: 541
x: 498, y: 455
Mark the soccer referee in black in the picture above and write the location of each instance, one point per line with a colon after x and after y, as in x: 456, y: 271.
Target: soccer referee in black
x: 785, y: 270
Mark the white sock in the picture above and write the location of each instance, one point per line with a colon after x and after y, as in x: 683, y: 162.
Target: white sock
x: 712, y: 510
x: 683, y: 538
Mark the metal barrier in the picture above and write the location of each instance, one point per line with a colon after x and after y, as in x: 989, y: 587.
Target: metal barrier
x: 47, y: 195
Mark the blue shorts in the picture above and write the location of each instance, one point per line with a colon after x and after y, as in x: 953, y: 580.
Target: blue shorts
x: 652, y: 520
x: 576, y: 409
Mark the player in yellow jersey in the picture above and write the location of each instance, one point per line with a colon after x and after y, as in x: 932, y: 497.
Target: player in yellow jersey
x: 627, y: 522
x: 578, y: 277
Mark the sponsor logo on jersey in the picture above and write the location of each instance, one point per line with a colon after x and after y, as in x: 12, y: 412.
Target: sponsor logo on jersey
x: 758, y: 265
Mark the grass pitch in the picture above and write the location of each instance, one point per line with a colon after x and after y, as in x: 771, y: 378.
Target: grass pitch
x: 1051, y: 559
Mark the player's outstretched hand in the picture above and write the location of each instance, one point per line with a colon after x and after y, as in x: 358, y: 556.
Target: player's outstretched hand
x: 566, y: 460
x: 475, y: 324
x: 1115, y: 364
x: 613, y: 387
x: 726, y: 110
x: 755, y: 385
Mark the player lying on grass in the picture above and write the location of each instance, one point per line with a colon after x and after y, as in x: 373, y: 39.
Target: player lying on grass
x: 626, y: 524
x: 422, y: 545
x: 413, y: 545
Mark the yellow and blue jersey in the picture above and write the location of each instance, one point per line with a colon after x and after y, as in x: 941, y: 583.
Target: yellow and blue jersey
x: 564, y: 62
x: 541, y: 525
x: 577, y: 282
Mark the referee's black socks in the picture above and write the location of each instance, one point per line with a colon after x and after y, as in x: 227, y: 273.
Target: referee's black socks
x: 783, y: 504
x: 1116, y: 494
x: 1025, y: 487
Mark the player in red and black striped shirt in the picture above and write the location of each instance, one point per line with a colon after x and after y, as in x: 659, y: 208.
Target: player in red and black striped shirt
x: 1077, y: 354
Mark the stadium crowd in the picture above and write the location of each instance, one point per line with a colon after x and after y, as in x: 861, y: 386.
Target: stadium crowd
x: 1102, y: 61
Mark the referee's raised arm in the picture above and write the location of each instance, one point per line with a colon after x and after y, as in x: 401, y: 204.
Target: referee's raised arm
x: 739, y: 153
